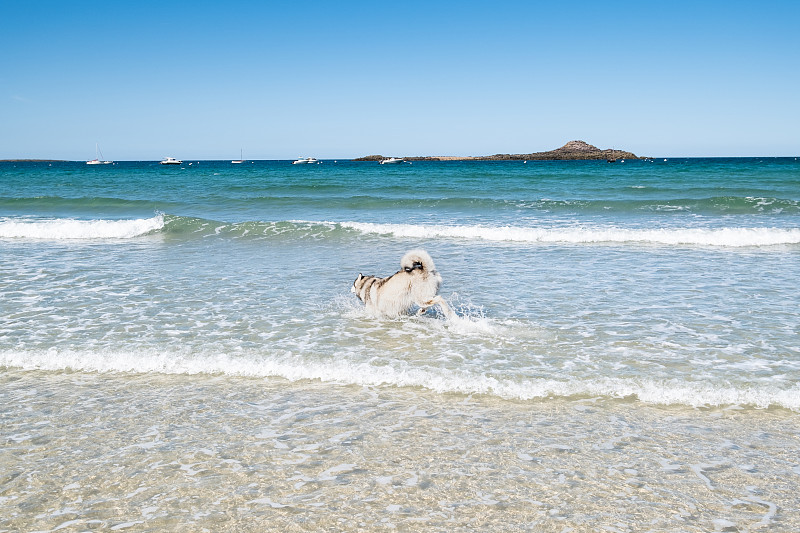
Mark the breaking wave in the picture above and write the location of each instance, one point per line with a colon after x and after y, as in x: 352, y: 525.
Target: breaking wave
x: 728, y: 237
x: 73, y: 229
x: 439, y: 380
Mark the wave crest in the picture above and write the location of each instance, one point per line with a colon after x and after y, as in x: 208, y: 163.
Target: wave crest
x: 293, y: 368
x: 72, y: 229
x: 726, y: 237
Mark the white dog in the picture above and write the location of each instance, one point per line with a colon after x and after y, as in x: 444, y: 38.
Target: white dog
x: 416, y: 283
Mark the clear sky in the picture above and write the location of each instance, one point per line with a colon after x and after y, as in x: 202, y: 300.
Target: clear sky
x: 280, y: 80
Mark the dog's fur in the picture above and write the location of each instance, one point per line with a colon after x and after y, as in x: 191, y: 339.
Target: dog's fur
x: 416, y: 283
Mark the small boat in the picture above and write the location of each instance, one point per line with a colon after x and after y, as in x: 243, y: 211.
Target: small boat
x: 391, y: 160
x: 171, y: 161
x: 305, y: 161
x: 240, y: 160
x: 98, y: 160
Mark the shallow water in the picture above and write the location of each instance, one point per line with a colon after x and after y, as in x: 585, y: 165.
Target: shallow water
x: 179, y: 348
x: 155, y: 452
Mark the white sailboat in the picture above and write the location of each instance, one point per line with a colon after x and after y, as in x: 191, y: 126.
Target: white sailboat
x: 241, y: 159
x: 98, y: 160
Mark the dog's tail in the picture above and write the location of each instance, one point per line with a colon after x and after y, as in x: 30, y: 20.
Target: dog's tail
x: 417, y: 259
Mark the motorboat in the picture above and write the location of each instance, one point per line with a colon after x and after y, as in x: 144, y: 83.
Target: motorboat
x: 171, y: 161
x: 305, y: 161
x: 391, y: 160
x: 98, y: 160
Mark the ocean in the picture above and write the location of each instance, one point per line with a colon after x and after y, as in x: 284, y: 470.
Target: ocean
x: 180, y: 349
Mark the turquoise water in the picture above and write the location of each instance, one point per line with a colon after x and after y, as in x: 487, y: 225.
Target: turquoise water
x: 600, y: 305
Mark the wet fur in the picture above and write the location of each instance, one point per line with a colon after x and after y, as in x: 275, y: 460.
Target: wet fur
x: 416, y: 283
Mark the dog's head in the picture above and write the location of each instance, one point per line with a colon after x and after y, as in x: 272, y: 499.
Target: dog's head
x: 358, y: 284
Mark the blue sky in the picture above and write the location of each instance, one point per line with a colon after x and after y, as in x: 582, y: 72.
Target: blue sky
x: 202, y: 80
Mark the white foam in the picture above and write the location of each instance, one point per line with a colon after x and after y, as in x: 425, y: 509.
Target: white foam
x: 468, y: 321
x: 339, y: 370
x: 72, y: 229
x: 727, y: 237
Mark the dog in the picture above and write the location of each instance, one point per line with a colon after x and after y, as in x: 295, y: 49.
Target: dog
x: 416, y: 283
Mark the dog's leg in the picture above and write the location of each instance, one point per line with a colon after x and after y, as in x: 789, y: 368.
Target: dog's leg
x: 438, y: 300
x: 446, y: 309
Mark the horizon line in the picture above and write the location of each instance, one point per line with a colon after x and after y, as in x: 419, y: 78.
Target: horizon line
x: 417, y: 159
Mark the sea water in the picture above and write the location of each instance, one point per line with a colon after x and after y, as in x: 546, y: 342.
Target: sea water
x: 180, y: 350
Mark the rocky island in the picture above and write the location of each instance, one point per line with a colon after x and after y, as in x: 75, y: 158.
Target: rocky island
x: 573, y: 150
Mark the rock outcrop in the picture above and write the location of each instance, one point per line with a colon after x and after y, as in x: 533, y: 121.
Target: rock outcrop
x: 572, y: 151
